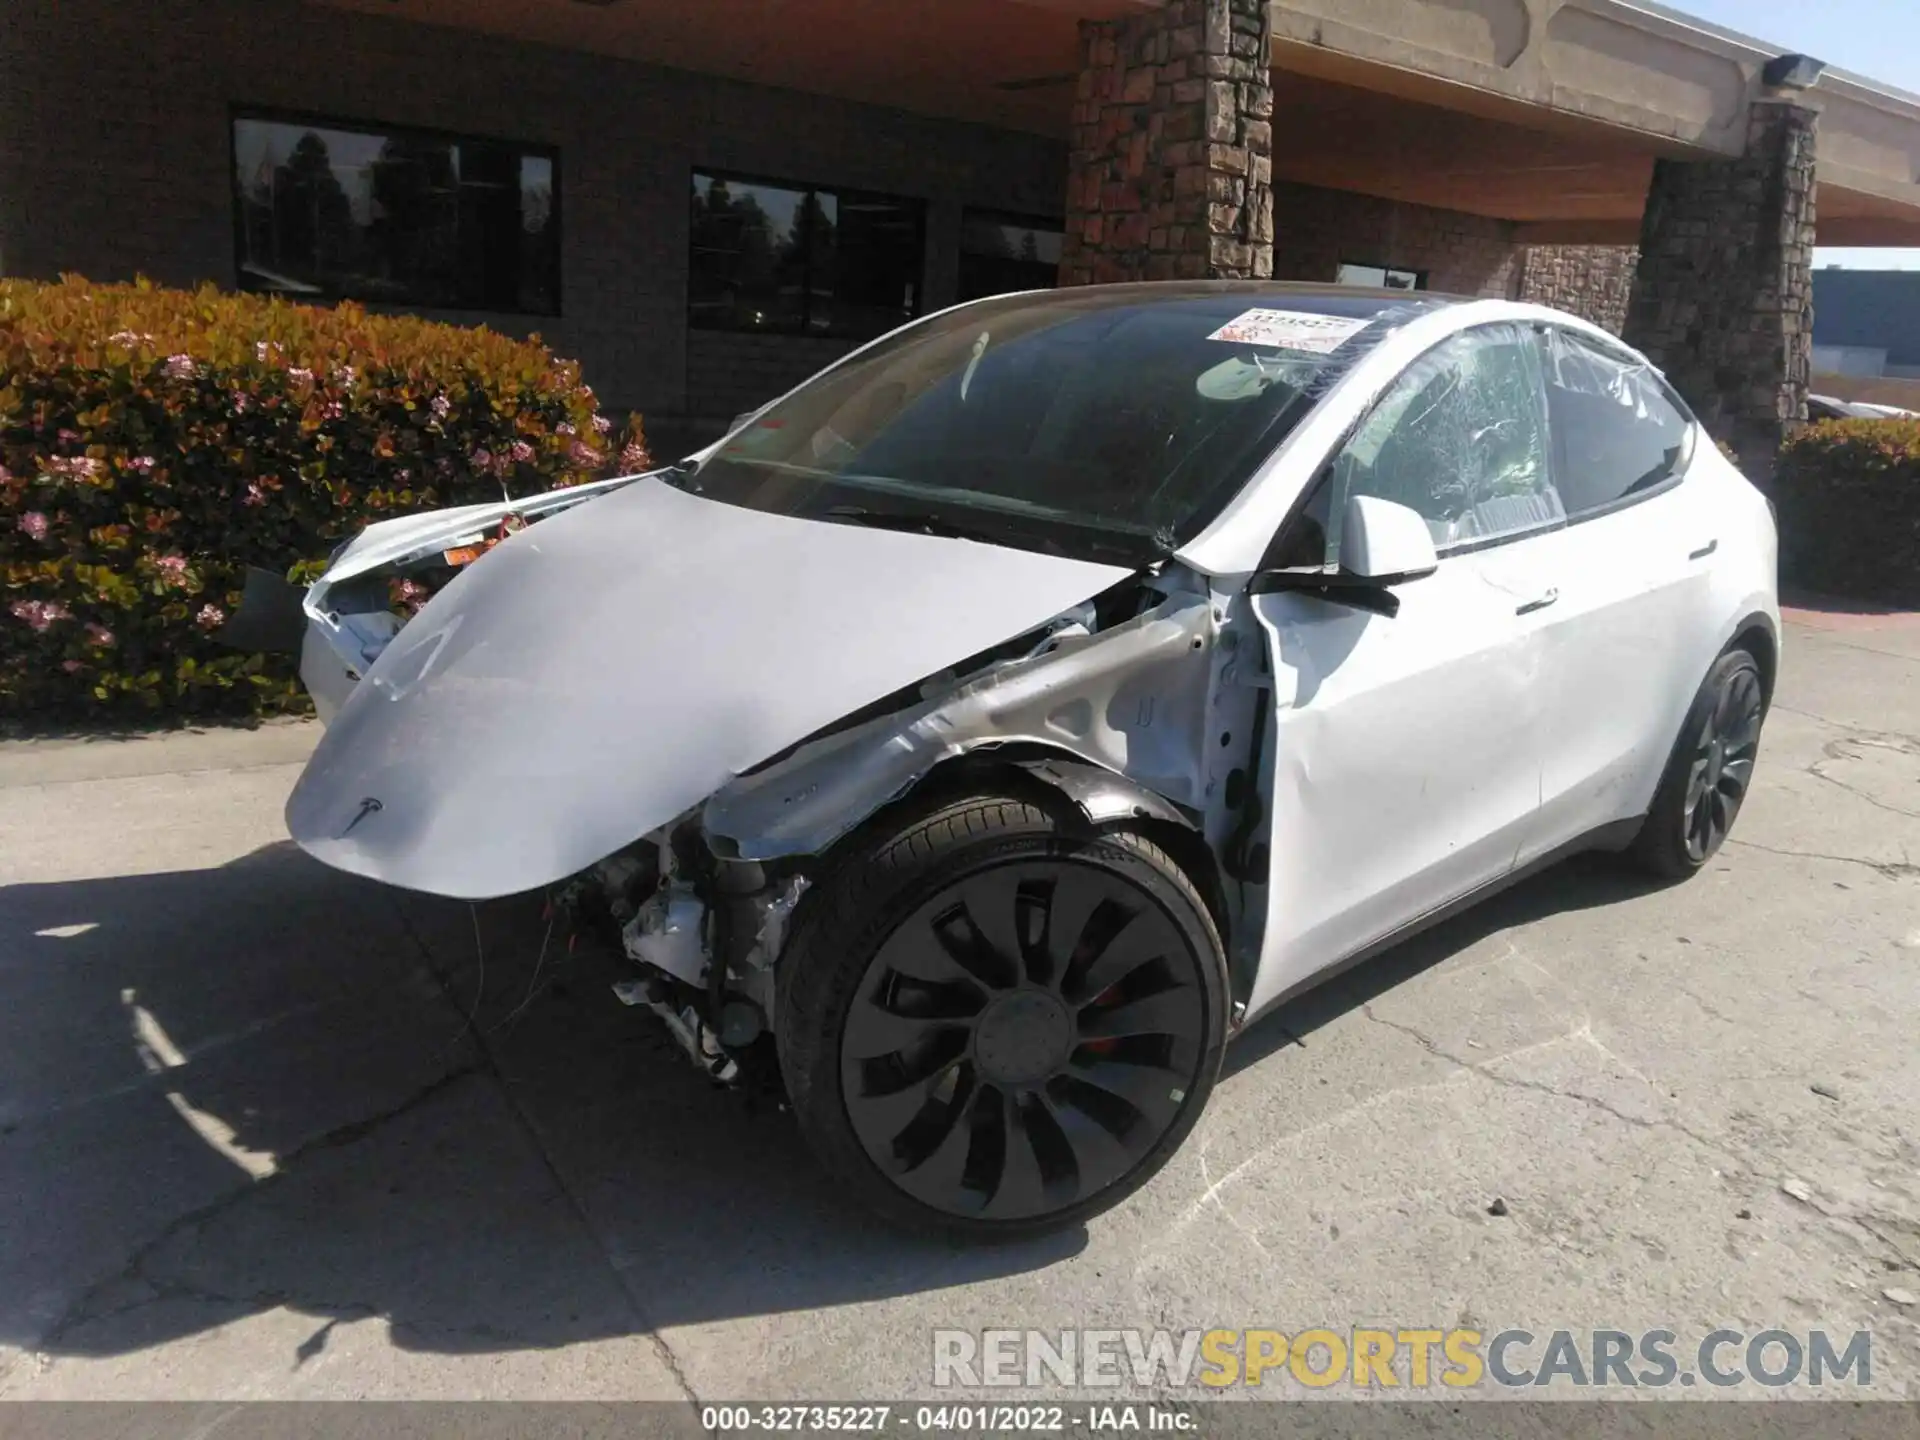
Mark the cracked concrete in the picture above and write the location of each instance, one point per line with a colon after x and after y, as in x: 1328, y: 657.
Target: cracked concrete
x: 267, y: 1132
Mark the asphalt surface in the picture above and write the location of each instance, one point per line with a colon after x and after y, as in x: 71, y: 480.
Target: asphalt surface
x: 257, y: 1141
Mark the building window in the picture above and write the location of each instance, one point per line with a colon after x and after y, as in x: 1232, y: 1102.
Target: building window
x: 1382, y: 277
x: 801, y: 260
x: 330, y: 211
x: 1000, y: 254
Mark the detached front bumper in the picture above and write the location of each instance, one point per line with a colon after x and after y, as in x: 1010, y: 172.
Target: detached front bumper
x: 277, y: 617
x: 336, y: 650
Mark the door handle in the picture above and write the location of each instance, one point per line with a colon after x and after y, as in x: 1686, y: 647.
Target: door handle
x: 1552, y: 597
x: 1705, y: 550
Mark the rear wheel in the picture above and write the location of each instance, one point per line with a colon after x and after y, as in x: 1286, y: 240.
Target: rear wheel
x: 1710, y: 772
x: 993, y: 1022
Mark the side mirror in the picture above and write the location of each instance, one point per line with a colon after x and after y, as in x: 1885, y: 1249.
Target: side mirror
x: 1384, y: 543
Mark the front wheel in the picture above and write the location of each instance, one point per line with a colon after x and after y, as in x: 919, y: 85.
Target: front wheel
x: 1710, y: 772
x: 994, y: 1022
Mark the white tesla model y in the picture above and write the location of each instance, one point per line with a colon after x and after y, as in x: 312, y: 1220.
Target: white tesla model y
x: 997, y: 724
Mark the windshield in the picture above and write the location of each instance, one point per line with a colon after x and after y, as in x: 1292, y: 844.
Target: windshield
x: 1107, y: 423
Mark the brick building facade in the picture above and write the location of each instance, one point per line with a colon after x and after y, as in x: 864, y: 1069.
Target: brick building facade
x: 121, y: 154
x: 140, y: 98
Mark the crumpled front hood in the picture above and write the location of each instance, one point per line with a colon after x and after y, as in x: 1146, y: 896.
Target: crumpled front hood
x: 605, y: 670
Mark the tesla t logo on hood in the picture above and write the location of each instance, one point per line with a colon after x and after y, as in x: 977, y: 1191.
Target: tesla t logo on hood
x: 368, y: 806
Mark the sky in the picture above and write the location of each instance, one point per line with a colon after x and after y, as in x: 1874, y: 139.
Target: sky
x: 1877, y: 39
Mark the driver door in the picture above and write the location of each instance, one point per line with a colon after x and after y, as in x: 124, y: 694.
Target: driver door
x: 1405, y: 747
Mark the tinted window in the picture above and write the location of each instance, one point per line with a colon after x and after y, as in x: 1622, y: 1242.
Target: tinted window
x: 1461, y: 438
x: 1000, y: 254
x: 1126, y: 417
x: 1618, y: 431
x: 334, y: 211
x: 802, y: 260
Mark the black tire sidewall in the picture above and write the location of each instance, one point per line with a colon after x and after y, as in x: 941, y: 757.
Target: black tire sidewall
x: 864, y: 897
x: 1662, y: 845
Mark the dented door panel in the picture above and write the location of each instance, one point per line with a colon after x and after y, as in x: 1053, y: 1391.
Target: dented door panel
x: 1405, y: 769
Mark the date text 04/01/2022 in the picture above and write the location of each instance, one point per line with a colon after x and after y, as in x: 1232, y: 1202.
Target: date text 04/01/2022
x: 1106, y: 1419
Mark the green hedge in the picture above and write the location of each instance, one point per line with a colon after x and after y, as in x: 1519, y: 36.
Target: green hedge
x: 1848, y: 495
x: 153, y: 443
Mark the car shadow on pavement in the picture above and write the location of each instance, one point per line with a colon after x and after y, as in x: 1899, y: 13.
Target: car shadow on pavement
x: 267, y: 1085
x: 270, y: 1086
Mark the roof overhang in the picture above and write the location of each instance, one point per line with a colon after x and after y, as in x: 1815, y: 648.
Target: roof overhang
x: 1548, y: 113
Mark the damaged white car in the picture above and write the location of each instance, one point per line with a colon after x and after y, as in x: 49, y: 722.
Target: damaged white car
x: 1006, y: 717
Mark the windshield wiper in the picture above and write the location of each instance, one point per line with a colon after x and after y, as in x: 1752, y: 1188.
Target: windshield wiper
x: 681, y: 475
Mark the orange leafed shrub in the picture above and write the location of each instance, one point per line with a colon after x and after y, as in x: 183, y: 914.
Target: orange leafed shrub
x: 154, y: 442
x: 1848, y: 496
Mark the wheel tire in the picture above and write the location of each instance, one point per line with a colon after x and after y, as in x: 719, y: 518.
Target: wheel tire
x: 1709, y: 774
x: 999, y: 1044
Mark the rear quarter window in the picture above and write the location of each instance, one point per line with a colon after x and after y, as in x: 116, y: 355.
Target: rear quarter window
x: 1619, y: 432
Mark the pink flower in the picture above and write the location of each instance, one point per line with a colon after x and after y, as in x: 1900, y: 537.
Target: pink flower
x: 143, y: 463
x: 180, y: 367
x: 634, y: 458
x: 482, y: 459
x: 332, y: 410
x: 69, y: 436
x: 73, y: 467
x: 39, y: 613
x: 240, y: 400
x: 172, y: 568
x: 584, y: 455
x: 265, y: 350
x: 522, y: 452
x: 346, y: 376
x: 440, y: 407
x: 72, y: 667
x: 210, y: 617
x: 565, y: 427
x: 255, y: 495
x: 300, y: 375
x: 130, y: 338
x: 34, y: 524
x: 99, y: 635
x: 602, y: 424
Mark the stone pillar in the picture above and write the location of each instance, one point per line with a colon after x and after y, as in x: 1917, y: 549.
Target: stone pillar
x: 1170, y: 171
x: 1594, y: 282
x: 1723, y: 298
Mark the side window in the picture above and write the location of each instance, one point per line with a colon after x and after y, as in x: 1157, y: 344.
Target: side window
x: 1617, y: 429
x: 1462, y: 439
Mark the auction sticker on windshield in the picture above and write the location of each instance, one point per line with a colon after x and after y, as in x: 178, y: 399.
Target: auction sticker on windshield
x: 1290, y: 330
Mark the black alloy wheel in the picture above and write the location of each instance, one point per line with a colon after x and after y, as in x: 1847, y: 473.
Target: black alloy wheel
x: 1710, y: 772
x: 1721, y: 769
x: 1025, y: 1034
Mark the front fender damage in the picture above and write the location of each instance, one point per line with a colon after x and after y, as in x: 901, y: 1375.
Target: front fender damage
x: 1131, y: 701
x: 1149, y: 715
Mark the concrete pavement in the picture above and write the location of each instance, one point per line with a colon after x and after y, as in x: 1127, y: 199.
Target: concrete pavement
x: 270, y: 1132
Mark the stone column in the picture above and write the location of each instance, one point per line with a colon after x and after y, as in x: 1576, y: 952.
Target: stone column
x: 1170, y: 171
x: 1723, y: 298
